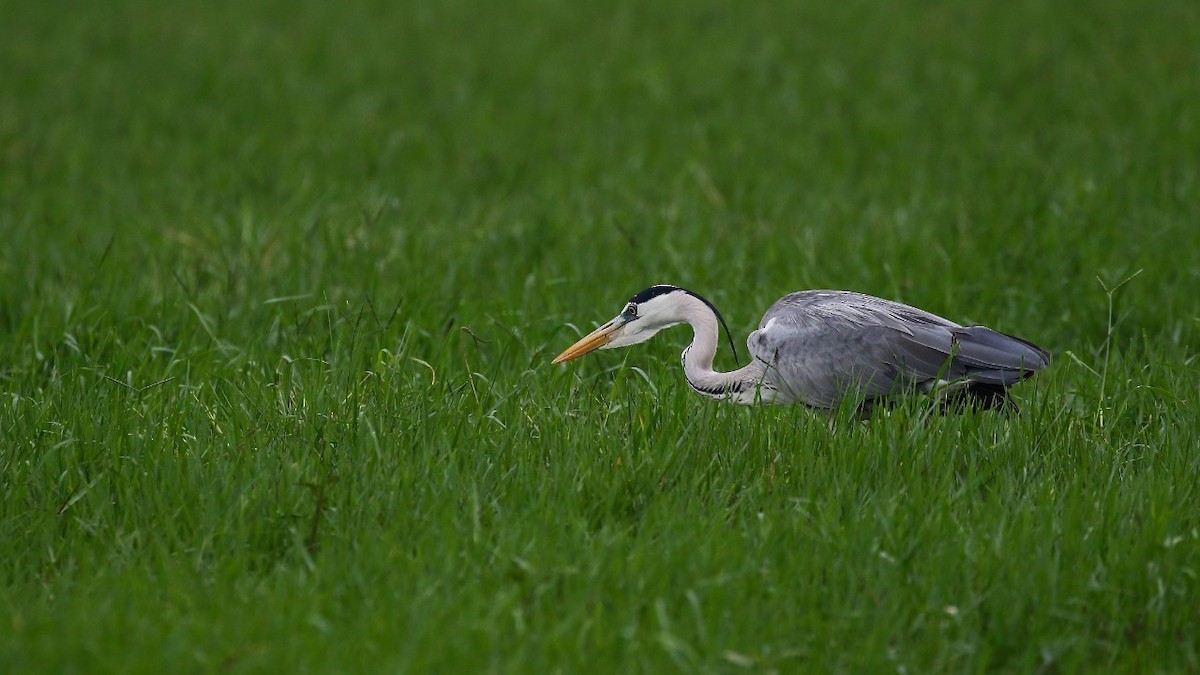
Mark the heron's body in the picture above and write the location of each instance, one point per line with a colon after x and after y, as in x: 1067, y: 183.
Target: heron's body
x: 820, y: 347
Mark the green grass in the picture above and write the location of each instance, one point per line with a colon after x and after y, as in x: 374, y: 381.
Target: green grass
x: 280, y: 283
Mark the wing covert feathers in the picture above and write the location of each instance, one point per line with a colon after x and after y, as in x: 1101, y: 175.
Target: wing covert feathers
x: 821, y: 346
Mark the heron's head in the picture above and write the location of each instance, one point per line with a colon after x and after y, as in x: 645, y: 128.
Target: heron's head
x: 645, y: 314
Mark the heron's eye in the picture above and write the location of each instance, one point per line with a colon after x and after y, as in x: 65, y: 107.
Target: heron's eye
x: 631, y: 310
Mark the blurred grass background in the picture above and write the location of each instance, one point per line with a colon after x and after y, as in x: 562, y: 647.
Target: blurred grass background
x: 281, y: 281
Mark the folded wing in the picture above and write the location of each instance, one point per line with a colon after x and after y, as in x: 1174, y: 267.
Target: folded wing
x: 821, y: 346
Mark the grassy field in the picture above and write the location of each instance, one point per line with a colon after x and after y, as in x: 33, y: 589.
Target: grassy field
x: 280, y: 283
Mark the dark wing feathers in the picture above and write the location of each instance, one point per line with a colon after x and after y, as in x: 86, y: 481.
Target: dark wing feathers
x: 825, y: 344
x: 974, y: 349
x: 985, y: 347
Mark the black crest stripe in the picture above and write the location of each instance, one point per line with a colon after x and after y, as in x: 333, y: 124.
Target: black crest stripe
x: 663, y: 289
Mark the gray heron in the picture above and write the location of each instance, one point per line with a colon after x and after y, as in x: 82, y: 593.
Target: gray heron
x: 819, y: 347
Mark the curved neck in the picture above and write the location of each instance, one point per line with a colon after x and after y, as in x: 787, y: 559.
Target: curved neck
x: 698, y: 358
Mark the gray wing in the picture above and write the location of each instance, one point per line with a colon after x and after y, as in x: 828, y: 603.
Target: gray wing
x: 820, y: 346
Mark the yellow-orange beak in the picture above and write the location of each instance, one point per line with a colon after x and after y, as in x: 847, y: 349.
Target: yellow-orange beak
x: 590, y: 342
